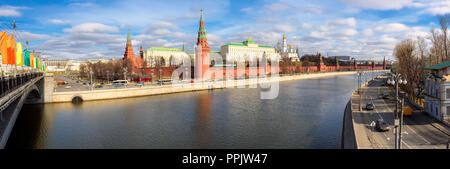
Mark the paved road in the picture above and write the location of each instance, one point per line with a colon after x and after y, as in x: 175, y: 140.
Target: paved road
x: 419, y: 130
x: 74, y: 86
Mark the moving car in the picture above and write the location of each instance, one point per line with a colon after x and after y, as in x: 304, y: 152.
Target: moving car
x: 98, y: 86
x: 370, y: 106
x: 61, y: 82
x: 407, y: 111
x: 140, y: 84
x: 381, y: 125
x: 68, y: 87
x: 120, y: 82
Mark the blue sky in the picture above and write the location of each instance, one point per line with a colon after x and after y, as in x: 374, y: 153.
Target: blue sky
x: 80, y: 29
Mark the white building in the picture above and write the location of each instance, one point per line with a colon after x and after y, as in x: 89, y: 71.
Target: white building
x: 55, y: 65
x: 247, y: 50
x: 165, y: 56
x: 288, y: 52
x: 437, y: 91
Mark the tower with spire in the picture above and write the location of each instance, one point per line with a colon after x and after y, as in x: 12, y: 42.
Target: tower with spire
x: 202, y: 61
x: 129, y: 48
x: 141, y: 52
x: 284, y: 45
x: 132, y: 62
x: 321, y: 66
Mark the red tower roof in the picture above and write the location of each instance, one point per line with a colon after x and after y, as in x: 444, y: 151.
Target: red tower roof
x: 201, y: 38
x: 129, y: 48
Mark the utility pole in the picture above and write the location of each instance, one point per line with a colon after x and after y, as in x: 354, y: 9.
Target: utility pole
x: 401, y: 124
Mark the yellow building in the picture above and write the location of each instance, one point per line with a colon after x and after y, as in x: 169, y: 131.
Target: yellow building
x: 248, y: 50
x: 164, y: 56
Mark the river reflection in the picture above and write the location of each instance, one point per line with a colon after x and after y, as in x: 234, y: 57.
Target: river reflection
x: 306, y: 114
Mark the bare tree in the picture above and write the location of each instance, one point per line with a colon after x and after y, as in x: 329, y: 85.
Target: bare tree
x: 444, y: 21
x: 437, y: 50
x: 409, y: 61
x: 422, y: 49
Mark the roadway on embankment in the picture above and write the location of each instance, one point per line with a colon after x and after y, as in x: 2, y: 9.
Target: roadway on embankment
x: 419, y: 130
x: 88, y: 95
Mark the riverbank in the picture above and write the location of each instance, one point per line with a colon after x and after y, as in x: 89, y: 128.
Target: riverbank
x: 58, y: 97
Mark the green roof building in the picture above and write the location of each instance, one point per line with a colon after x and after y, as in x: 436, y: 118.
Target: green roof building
x: 247, y: 49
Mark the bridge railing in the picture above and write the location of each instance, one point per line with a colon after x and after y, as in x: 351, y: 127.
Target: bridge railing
x: 10, y: 83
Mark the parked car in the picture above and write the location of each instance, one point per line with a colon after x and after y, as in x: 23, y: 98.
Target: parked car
x: 385, y: 95
x: 381, y: 125
x: 370, y: 106
x: 98, y: 86
x: 68, y: 87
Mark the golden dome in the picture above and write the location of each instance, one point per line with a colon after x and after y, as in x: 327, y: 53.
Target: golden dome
x: 278, y: 42
x: 290, y: 46
x: 248, y: 38
x: 284, y: 36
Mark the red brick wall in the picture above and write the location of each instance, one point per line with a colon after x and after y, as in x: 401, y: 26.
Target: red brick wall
x: 166, y: 72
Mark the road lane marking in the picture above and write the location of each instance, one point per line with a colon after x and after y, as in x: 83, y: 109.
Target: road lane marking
x: 406, y: 144
x: 407, y: 126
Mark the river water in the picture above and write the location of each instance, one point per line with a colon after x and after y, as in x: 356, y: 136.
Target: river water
x: 306, y: 114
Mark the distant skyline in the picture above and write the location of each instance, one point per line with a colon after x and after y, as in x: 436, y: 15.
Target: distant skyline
x: 80, y: 29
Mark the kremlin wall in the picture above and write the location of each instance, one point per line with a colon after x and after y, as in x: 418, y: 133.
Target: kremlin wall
x: 162, y: 62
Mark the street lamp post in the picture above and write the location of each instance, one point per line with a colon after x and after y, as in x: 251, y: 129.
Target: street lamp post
x: 107, y: 76
x: 91, y: 72
x: 396, y: 79
x: 160, y: 70
x: 359, y: 89
x: 125, y: 73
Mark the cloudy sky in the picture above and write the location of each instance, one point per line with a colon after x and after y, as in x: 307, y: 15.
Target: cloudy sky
x: 80, y: 29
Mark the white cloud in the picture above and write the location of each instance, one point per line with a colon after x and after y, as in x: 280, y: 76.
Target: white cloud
x: 59, y: 21
x: 392, y: 27
x: 10, y: 11
x: 347, y: 32
x: 379, y: 4
x: 284, y: 28
x: 276, y: 7
x: 307, y: 26
x: 82, y: 4
x: 351, y: 22
x: 246, y: 9
x: 367, y: 32
x: 92, y: 28
x: 32, y: 36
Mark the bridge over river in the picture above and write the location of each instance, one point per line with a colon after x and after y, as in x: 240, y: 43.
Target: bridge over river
x: 306, y: 114
x: 16, y: 91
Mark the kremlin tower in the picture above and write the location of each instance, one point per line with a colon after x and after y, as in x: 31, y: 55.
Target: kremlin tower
x: 132, y: 62
x: 321, y: 66
x: 141, y: 53
x: 202, y: 61
x: 129, y: 48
